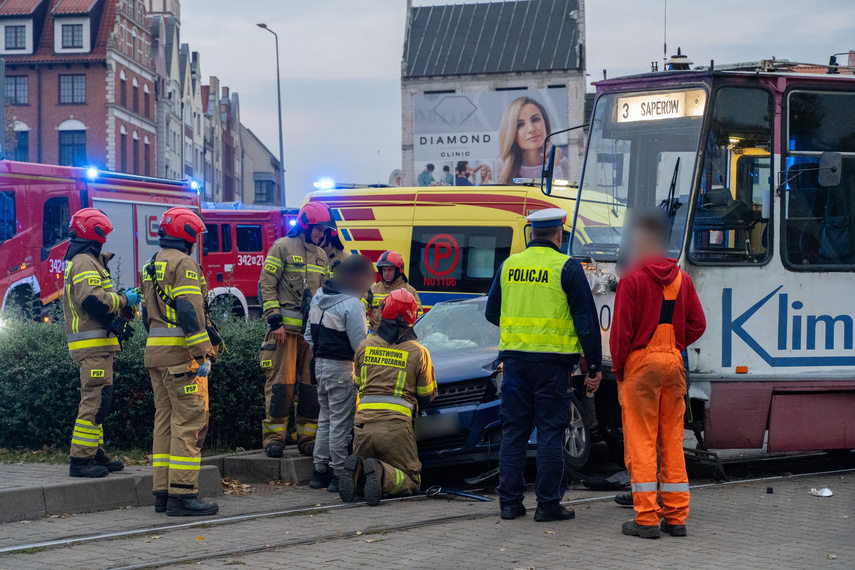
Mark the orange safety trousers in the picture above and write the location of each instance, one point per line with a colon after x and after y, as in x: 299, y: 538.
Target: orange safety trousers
x: 653, y: 402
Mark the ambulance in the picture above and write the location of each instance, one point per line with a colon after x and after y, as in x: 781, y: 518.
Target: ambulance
x: 453, y: 239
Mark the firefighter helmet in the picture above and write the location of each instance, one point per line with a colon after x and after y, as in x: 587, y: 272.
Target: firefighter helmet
x: 391, y: 259
x: 400, y: 303
x: 181, y: 223
x: 314, y: 214
x: 90, y: 224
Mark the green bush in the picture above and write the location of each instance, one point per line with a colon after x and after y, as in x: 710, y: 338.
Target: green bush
x: 40, y: 388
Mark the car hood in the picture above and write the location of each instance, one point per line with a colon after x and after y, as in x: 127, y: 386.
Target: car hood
x: 465, y: 363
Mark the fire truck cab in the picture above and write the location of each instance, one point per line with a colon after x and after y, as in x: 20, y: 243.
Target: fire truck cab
x: 233, y: 251
x: 36, y: 204
x: 755, y: 165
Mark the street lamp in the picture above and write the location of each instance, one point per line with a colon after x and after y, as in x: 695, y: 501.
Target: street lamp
x: 279, y: 92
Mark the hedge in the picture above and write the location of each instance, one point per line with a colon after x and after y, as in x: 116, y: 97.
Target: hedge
x: 40, y: 388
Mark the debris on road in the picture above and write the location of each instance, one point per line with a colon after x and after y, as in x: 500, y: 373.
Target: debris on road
x: 824, y: 492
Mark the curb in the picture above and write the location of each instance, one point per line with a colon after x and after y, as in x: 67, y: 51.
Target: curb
x: 256, y: 467
x: 89, y: 495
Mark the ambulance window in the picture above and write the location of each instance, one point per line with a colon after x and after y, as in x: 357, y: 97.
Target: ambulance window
x: 818, y: 234
x: 565, y: 240
x: 457, y: 259
x: 227, y: 237
x: 248, y: 238
x: 211, y: 241
x: 55, y: 221
x: 8, y: 222
x: 731, y: 220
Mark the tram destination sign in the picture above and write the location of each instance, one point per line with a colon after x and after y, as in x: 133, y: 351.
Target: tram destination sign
x: 660, y: 106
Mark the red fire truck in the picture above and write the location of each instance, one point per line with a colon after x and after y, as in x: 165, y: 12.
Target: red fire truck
x: 36, y: 203
x: 233, y: 252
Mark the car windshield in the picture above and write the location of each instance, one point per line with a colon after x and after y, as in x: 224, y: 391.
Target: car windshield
x: 642, y: 153
x: 455, y: 325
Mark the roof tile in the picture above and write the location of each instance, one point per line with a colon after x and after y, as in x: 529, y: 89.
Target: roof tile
x: 19, y: 7
x: 68, y: 7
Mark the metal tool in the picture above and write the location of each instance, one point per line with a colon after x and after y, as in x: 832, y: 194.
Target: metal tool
x: 437, y: 490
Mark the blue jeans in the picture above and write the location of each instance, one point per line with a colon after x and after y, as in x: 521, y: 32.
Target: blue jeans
x: 533, y: 395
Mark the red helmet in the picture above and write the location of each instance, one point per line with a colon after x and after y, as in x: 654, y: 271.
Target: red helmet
x: 391, y: 259
x: 314, y: 214
x: 181, y: 223
x: 91, y: 224
x: 400, y: 302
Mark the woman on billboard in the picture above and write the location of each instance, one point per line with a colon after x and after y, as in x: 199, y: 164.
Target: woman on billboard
x: 524, y: 127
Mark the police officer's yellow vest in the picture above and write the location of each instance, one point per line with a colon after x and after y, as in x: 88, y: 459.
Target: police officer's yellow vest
x: 535, y: 314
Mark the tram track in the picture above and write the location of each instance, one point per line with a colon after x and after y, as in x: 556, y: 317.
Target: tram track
x: 314, y: 509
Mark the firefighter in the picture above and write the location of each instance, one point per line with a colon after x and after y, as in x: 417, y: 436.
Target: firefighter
x: 334, y: 249
x: 544, y: 307
x: 90, y: 306
x: 390, y: 268
x: 657, y: 314
x: 295, y: 268
x: 395, y: 377
x: 178, y: 355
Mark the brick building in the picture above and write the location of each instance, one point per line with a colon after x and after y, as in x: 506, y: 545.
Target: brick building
x: 80, y: 79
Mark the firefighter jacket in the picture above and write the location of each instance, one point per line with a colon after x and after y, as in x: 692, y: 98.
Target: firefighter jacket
x: 177, y: 329
x: 336, y: 257
x: 378, y: 293
x: 393, y: 379
x: 292, y: 267
x: 89, y: 304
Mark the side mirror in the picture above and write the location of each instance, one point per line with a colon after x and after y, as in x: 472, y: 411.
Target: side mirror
x: 830, y: 169
x: 547, y: 172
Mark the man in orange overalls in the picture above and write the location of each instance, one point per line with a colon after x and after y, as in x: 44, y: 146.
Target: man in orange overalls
x: 646, y: 348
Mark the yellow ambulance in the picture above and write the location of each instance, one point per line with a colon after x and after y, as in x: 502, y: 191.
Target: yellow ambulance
x: 452, y: 239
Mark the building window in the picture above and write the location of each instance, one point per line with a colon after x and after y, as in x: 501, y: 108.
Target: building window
x: 72, y: 148
x: 72, y: 89
x: 123, y: 93
x: 22, y: 146
x: 136, y: 96
x: 136, y: 155
x: 17, y: 90
x: 147, y: 102
x: 147, y: 158
x: 16, y: 37
x: 263, y: 191
x: 72, y: 36
x: 123, y: 153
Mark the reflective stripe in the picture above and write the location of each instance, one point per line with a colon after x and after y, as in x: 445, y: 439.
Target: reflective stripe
x: 645, y: 487
x: 198, y: 338
x: 270, y: 305
x: 79, y: 441
x: 160, y: 460
x: 399, y: 385
x: 116, y: 302
x: 399, y: 481
x: 306, y: 429
x: 274, y: 260
x: 77, y: 436
x: 73, y: 337
x: 674, y: 487
x: 165, y: 341
x: 363, y: 377
x: 84, y: 276
x: 375, y: 399
x: 186, y: 290
x: 425, y: 390
x: 273, y: 427
x: 176, y: 331
x: 391, y: 407
x: 529, y: 322
x: 185, y: 463
x: 291, y: 313
x: 294, y: 322
x: 94, y: 343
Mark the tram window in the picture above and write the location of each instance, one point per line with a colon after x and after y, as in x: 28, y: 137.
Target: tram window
x: 818, y: 234
x: 731, y: 223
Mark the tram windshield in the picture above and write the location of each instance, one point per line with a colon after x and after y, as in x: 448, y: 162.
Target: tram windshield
x: 642, y: 152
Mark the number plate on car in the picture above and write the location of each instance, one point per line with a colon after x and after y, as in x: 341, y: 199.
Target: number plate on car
x: 437, y: 425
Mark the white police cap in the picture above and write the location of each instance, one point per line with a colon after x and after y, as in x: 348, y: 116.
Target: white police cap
x: 551, y: 217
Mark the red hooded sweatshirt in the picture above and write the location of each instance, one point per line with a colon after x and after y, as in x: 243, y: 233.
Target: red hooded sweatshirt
x: 637, y: 305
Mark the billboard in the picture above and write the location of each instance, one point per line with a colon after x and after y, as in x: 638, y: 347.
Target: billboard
x: 490, y: 137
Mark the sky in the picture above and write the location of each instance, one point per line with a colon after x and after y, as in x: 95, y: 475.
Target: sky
x: 341, y: 63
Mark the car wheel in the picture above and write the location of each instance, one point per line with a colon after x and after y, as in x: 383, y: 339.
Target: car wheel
x: 577, y: 440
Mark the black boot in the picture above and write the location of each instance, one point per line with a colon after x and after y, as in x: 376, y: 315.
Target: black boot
x: 189, y: 506
x: 333, y: 486
x: 373, y: 481
x: 351, y: 482
x: 320, y: 479
x: 274, y: 449
x: 85, y: 467
x: 104, y: 461
x: 161, y: 498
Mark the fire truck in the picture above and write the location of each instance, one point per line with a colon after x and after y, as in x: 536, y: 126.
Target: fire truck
x: 755, y: 166
x: 233, y: 251
x: 36, y: 204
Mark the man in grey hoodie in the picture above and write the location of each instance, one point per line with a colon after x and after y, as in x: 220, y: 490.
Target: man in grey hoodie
x: 335, y: 328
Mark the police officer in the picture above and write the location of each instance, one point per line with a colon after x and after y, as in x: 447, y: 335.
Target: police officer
x: 543, y: 304
x: 390, y: 267
x: 295, y: 268
x: 395, y: 376
x: 178, y: 356
x: 89, y: 306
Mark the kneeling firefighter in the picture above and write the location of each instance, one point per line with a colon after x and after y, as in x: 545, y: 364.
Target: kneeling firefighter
x: 178, y: 356
x: 94, y: 330
x: 295, y: 268
x: 395, y: 376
